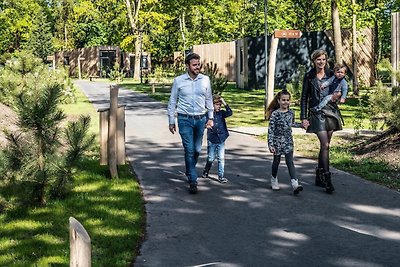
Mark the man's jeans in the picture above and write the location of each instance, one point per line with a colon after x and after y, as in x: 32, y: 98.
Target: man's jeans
x: 219, y: 151
x: 191, y: 131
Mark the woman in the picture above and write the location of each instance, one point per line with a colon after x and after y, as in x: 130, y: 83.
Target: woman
x: 323, y: 123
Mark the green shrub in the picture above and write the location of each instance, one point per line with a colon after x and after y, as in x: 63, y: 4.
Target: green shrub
x: 384, y: 70
x: 361, y: 114
x: 218, y: 82
x: 385, y: 106
x: 116, y: 74
x: 296, y: 84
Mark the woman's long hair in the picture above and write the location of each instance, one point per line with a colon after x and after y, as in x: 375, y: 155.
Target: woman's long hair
x: 274, y: 105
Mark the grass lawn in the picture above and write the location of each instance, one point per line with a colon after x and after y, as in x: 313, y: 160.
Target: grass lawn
x: 342, y: 158
x: 112, y: 211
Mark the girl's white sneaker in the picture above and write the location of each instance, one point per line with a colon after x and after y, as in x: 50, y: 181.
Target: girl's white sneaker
x: 296, y: 186
x: 274, y: 183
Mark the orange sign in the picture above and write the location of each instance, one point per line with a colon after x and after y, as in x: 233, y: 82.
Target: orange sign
x: 287, y: 33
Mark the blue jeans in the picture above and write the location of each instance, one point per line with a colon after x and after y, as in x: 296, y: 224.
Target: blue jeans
x: 191, y: 131
x: 219, y: 151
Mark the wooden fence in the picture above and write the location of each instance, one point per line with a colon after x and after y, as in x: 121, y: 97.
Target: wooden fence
x: 365, y: 53
x: 223, y: 54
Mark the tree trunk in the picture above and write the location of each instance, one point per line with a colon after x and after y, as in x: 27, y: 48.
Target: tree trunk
x: 182, y: 29
x: 337, y: 35
x: 376, y: 43
x: 138, y: 52
x: 65, y: 37
x: 354, y: 50
x: 133, y: 13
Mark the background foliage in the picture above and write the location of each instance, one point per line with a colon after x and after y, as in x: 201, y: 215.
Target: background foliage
x: 173, y: 25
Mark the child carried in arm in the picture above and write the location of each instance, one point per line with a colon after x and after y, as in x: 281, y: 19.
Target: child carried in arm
x: 337, y: 87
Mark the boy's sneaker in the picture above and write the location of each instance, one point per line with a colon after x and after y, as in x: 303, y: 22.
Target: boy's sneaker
x: 205, y: 174
x: 193, y: 188
x: 222, y: 180
x: 296, y: 186
x: 274, y: 183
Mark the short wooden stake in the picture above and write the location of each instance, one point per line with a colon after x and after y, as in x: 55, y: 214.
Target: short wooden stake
x: 80, y: 248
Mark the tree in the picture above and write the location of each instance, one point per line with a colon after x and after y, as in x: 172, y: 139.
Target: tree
x: 88, y: 28
x: 40, y: 40
x: 34, y: 156
x: 15, y: 23
x: 354, y: 49
x: 133, y: 8
x: 307, y: 16
x: 337, y: 33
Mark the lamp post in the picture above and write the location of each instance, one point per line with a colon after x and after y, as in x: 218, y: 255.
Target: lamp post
x: 266, y: 59
x: 140, y: 56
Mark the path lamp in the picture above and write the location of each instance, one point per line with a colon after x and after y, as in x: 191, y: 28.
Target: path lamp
x: 267, y: 97
x: 140, y: 55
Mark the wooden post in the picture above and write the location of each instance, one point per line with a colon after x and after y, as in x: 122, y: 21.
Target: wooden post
x: 80, y: 250
x: 271, y: 68
x: 121, y: 135
x: 104, y: 114
x: 153, y: 88
x: 112, y: 132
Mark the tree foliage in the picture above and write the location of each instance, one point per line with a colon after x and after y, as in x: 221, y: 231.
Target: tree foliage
x: 40, y: 41
x: 24, y: 74
x: 175, y: 25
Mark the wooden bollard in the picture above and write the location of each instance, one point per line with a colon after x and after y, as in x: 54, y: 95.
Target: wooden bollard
x: 104, y: 118
x: 79, y: 244
x: 112, y: 132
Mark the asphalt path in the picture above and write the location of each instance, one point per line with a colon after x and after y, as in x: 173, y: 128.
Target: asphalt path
x: 243, y: 222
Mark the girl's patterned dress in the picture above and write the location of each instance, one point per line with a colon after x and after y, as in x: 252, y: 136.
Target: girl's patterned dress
x: 280, y: 131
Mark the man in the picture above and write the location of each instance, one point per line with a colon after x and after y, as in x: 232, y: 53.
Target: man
x: 191, y: 99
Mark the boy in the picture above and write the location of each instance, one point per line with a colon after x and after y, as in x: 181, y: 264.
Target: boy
x: 338, y: 87
x: 216, y: 136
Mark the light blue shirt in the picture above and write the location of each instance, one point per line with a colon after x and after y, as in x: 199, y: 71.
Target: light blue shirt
x: 191, y: 97
x: 337, y: 85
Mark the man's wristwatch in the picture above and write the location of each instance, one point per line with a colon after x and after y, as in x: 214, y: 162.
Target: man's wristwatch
x: 211, y: 119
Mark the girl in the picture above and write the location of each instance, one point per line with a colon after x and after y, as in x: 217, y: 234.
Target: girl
x: 280, y: 139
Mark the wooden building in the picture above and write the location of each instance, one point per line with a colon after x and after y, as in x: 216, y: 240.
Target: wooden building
x: 97, y: 61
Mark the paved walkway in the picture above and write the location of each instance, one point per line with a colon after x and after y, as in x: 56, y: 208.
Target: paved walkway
x: 244, y: 223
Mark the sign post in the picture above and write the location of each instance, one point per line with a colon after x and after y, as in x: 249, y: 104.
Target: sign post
x: 267, y: 96
x: 287, y: 33
x: 278, y: 34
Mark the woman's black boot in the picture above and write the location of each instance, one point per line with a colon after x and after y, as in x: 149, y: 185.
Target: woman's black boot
x: 206, y: 169
x: 329, y: 186
x: 319, y: 178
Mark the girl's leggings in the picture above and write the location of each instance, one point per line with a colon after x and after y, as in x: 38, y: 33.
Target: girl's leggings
x: 289, y: 164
